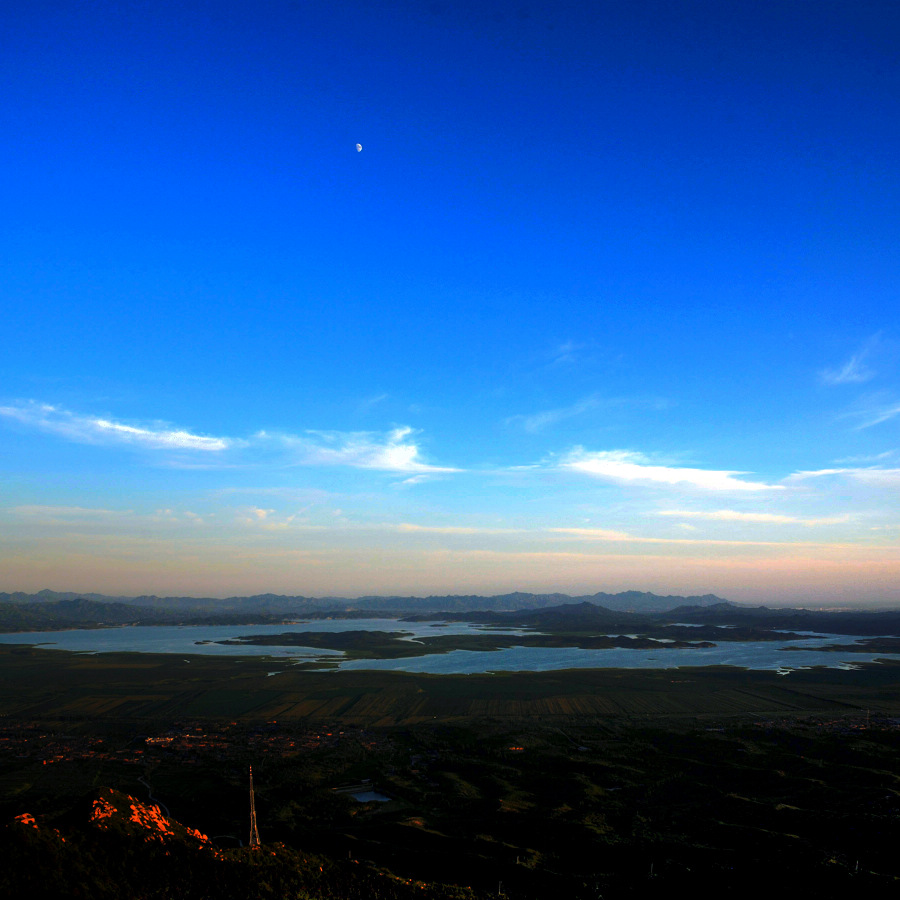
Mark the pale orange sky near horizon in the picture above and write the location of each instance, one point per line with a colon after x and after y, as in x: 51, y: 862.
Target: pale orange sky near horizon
x: 819, y: 576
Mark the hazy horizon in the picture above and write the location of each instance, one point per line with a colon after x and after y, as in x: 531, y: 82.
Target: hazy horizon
x: 871, y: 604
x: 607, y: 299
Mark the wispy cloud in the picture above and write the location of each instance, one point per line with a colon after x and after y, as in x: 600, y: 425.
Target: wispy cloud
x: 97, y: 430
x: 875, y: 457
x: 395, y: 451
x: 414, y: 479
x: 566, y: 352
x: 874, y: 475
x: 629, y: 467
x: 535, y: 422
x: 409, y: 528
x: 306, y: 496
x: 601, y: 534
x: 100, y: 517
x: 731, y: 515
x: 597, y: 534
x: 263, y: 519
x: 874, y: 413
x: 69, y: 512
x: 368, y: 403
x: 854, y: 370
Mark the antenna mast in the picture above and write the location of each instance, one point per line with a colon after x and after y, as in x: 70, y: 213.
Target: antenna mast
x: 254, y: 833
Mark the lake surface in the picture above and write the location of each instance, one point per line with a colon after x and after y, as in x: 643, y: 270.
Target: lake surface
x: 370, y: 797
x: 182, y: 640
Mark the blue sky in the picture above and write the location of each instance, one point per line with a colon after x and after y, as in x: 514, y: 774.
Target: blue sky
x: 607, y: 300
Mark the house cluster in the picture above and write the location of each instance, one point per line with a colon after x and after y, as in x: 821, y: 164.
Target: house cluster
x: 34, y: 741
x: 189, y: 742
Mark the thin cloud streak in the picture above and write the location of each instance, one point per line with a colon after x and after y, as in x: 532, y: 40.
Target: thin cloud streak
x: 854, y: 371
x: 366, y: 404
x: 393, y: 452
x: 601, y: 534
x: 536, y: 422
x: 62, y: 511
x: 96, y: 430
x: 878, y: 415
x: 409, y: 528
x: 868, y: 475
x: 265, y: 519
x: 604, y: 535
x: 875, y: 457
x: 629, y: 467
x: 730, y: 515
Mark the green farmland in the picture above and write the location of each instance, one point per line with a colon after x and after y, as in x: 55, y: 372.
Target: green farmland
x: 49, y: 683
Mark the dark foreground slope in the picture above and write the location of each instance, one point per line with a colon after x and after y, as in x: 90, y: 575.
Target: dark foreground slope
x: 113, y: 846
x: 738, y: 809
x: 578, y: 784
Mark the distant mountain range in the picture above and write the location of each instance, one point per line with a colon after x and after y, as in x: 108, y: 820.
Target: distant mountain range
x: 627, y: 611
x: 279, y: 605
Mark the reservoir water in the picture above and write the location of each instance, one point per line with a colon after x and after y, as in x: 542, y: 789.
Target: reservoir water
x: 183, y: 641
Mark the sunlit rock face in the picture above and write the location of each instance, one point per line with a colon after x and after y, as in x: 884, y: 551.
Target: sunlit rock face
x: 113, y: 809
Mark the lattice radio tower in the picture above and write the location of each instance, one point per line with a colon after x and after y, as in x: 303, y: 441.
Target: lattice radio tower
x: 254, y: 833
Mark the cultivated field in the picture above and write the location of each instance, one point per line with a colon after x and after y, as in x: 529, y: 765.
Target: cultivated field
x: 37, y: 683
